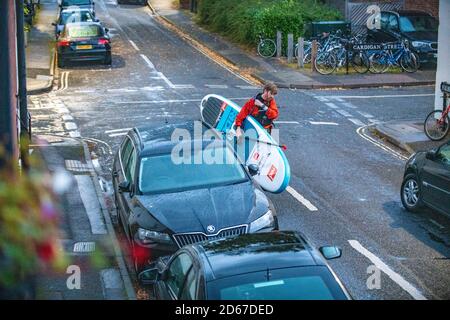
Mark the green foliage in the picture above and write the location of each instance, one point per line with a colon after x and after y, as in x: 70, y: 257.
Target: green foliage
x: 242, y: 20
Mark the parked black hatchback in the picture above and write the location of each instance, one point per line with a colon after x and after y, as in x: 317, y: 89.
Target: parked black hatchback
x: 84, y: 41
x: 427, y: 180
x: 262, y: 266
x: 419, y: 28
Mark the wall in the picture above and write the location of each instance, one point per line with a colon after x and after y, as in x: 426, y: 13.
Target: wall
x: 443, y: 67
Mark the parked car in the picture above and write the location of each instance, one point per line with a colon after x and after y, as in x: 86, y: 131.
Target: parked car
x: 262, y: 266
x: 426, y: 180
x: 84, y: 41
x: 82, y: 4
x: 163, y: 205
x: 141, y: 2
x: 419, y: 28
x: 72, y: 16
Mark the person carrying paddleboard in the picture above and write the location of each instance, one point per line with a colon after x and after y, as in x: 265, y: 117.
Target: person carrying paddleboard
x: 262, y: 107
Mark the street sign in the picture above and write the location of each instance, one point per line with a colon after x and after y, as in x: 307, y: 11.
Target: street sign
x: 445, y: 87
x: 376, y: 46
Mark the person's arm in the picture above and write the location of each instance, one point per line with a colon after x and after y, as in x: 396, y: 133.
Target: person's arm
x: 244, y: 112
x: 272, y: 112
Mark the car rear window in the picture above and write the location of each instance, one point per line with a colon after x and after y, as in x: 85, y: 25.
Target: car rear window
x: 77, y: 16
x: 75, y: 2
x: 84, y: 31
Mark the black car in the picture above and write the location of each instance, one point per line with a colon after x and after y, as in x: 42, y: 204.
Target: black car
x: 262, y: 266
x: 163, y: 204
x: 72, y: 16
x: 427, y: 180
x: 419, y: 28
x: 84, y: 41
x: 81, y: 4
x: 141, y: 2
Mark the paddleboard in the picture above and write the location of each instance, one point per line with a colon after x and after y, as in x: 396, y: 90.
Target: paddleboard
x: 258, y: 148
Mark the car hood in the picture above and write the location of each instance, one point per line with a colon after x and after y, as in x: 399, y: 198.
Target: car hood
x: 426, y: 36
x: 195, y: 210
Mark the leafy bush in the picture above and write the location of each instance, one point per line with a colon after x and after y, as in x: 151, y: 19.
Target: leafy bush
x: 242, y: 21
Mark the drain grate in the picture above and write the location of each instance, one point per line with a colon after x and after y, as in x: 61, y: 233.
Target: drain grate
x: 77, y: 166
x: 84, y: 247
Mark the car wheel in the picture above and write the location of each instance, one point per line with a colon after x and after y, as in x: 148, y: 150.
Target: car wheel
x: 108, y: 59
x: 61, y: 62
x: 411, y: 193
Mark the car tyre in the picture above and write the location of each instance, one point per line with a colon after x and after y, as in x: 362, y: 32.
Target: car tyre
x: 61, y: 62
x: 108, y: 59
x: 411, y: 193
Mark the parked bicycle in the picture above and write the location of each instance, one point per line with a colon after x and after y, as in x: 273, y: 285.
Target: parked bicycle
x: 266, y: 47
x: 382, y: 60
x: 437, y: 123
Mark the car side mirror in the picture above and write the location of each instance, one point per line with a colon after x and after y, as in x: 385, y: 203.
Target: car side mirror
x: 431, y: 155
x: 124, y: 186
x: 148, y: 276
x: 106, y: 30
x: 253, y: 169
x: 331, y: 252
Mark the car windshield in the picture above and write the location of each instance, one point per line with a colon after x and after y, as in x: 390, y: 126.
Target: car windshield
x: 77, y: 16
x: 301, y: 283
x: 160, y: 174
x: 75, y: 2
x: 418, y: 23
x: 84, y: 31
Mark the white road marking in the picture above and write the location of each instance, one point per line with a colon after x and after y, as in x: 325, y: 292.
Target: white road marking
x: 287, y: 122
x: 380, y: 96
x: 332, y: 105
x: 122, y: 90
x: 166, y: 101
x: 440, y: 226
x: 166, y: 80
x: 366, y: 115
x: 91, y: 204
x: 75, y: 134
x: 357, y: 122
x: 248, y: 87
x: 118, y: 130
x: 323, y: 99
x: 216, y: 86
x: 67, y: 117
x: 398, y: 279
x: 324, y: 123
x: 349, y: 105
x: 344, y: 113
x: 183, y: 86
x: 361, y: 133
x: 134, y: 45
x: 149, y: 63
x: 301, y: 199
x: 117, y: 134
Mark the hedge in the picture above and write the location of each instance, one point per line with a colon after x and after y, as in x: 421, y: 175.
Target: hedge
x: 243, y: 20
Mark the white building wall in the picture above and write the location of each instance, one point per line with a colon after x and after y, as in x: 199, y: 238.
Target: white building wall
x: 443, y: 67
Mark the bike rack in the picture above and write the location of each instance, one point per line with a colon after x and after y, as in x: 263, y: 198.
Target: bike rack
x: 445, y: 89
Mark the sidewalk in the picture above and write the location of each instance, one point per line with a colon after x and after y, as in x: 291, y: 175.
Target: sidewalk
x: 272, y: 69
x: 39, y: 50
x: 407, y: 135
x: 86, y: 231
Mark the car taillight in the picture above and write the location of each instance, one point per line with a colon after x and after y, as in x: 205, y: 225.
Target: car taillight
x: 63, y: 43
x: 103, y: 41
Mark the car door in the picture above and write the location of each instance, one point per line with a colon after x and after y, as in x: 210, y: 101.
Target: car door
x: 436, y: 180
x: 379, y: 35
x: 175, y: 277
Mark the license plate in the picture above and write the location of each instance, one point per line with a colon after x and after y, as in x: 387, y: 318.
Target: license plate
x: 84, y: 47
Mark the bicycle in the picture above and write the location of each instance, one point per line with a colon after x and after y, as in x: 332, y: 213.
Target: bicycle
x: 381, y: 61
x: 437, y: 123
x: 266, y: 47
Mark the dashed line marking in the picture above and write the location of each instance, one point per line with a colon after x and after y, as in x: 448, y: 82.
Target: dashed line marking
x: 301, y: 199
x: 147, y: 60
x: 324, y: 123
x: 397, y: 278
x: 344, y: 113
x: 287, y: 122
x: 216, y: 86
x: 356, y: 122
x: 118, y: 130
x: 366, y: 115
x: 134, y: 45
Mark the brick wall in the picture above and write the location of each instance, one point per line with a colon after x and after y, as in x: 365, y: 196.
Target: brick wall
x: 430, y: 6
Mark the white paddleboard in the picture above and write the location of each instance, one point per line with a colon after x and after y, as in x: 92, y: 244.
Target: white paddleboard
x: 259, y: 148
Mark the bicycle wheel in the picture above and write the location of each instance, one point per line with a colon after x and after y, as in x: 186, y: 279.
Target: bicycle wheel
x: 267, y: 48
x: 360, y: 62
x: 408, y: 62
x: 436, y: 127
x: 378, y: 62
x: 326, y: 63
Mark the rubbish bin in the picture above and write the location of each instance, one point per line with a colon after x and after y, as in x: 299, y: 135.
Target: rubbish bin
x: 313, y: 29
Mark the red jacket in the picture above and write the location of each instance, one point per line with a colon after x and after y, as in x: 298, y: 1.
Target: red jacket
x: 249, y: 106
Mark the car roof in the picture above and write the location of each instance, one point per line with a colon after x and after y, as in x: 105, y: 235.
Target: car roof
x: 255, y: 252
x: 403, y: 13
x: 69, y: 9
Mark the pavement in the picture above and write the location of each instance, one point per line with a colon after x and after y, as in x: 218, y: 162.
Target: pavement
x: 274, y: 69
x: 39, y: 49
x: 407, y: 135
